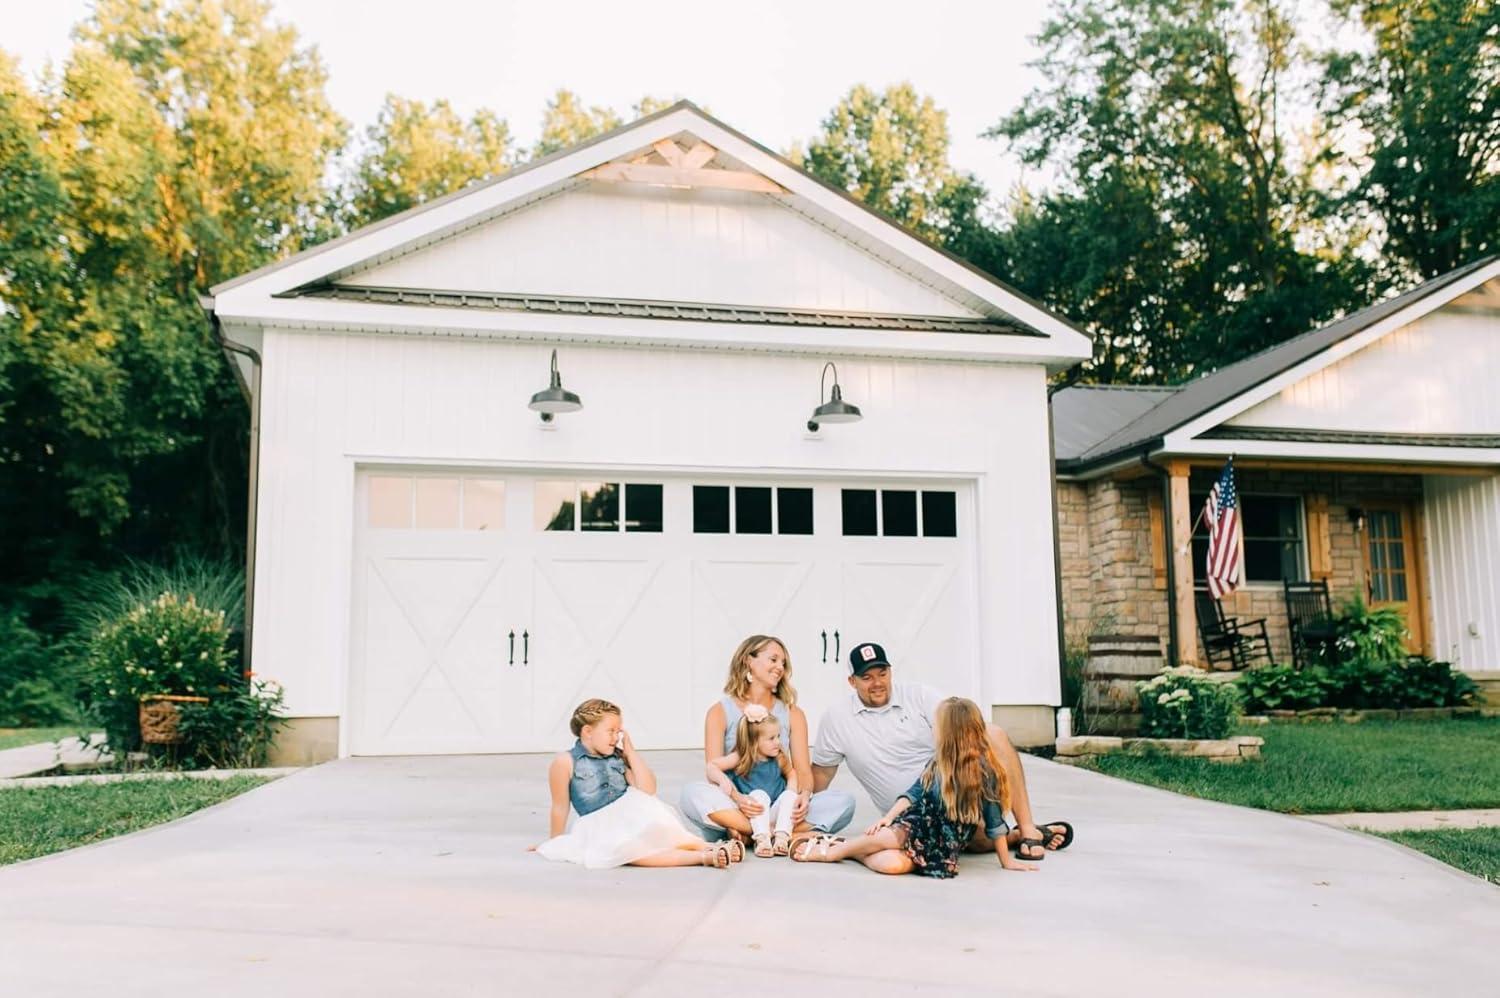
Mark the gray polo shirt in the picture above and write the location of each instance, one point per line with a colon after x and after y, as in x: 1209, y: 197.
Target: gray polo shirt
x: 886, y: 748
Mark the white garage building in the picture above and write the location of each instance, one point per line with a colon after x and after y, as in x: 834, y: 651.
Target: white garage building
x: 438, y: 569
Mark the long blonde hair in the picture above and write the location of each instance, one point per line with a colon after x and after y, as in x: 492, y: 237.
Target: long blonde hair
x: 746, y: 734
x: 738, y: 683
x: 964, y: 765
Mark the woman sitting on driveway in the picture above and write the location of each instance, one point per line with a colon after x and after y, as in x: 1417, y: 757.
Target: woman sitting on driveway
x: 760, y: 673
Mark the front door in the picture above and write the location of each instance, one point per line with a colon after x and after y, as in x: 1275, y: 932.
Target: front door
x: 1393, y: 575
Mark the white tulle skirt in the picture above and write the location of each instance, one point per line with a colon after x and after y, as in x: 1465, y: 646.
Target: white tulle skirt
x: 634, y: 826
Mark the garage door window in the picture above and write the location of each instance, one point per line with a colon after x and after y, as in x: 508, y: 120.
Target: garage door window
x: 752, y: 509
x: 596, y: 506
x: 899, y: 513
x: 427, y: 502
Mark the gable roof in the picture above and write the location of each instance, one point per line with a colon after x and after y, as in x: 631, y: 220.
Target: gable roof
x: 1180, y: 405
x: 827, y: 205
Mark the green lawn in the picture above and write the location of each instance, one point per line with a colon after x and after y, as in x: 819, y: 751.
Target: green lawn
x: 1474, y: 850
x: 41, y: 820
x: 1324, y: 768
x: 16, y: 737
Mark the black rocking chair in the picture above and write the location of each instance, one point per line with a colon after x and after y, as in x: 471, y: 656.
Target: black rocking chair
x: 1309, y: 615
x: 1229, y: 639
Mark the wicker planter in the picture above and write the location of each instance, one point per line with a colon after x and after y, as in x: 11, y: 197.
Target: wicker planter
x: 158, y: 717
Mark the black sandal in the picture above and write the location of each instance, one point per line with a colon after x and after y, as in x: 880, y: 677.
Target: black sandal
x: 1066, y: 833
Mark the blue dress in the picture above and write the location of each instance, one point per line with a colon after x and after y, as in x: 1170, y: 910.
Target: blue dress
x: 764, y: 775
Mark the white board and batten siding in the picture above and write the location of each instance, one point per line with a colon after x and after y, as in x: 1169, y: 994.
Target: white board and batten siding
x: 1462, y: 521
x: 623, y: 241
x: 1435, y: 375
x: 342, y: 408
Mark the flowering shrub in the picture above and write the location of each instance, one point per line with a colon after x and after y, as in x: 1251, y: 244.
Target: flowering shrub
x: 172, y: 645
x: 1183, y: 703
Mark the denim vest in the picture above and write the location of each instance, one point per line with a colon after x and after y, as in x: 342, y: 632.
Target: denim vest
x: 598, y: 780
x: 764, y: 775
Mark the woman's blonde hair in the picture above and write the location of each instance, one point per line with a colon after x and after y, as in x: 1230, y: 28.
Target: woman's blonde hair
x: 738, y: 683
x: 746, y: 734
x: 590, y: 712
x: 964, y: 766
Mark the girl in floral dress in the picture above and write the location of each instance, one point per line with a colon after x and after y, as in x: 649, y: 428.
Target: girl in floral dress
x: 930, y: 824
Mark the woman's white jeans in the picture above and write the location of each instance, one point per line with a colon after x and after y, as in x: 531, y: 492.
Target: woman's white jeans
x: 779, y: 813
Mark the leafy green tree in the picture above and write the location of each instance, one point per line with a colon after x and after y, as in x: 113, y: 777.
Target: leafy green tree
x: 416, y: 152
x: 567, y: 121
x: 890, y: 150
x: 1426, y: 92
x: 253, y: 127
x: 1184, y: 228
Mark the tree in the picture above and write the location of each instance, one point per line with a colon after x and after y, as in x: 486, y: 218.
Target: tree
x: 1426, y: 92
x: 890, y: 150
x: 1165, y: 122
x: 567, y: 122
x: 182, y: 143
x: 252, y: 125
x: 416, y: 152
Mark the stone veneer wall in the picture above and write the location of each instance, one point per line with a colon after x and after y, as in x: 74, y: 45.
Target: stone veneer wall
x: 1105, y: 536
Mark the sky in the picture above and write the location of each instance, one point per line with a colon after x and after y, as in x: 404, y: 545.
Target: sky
x: 772, y: 68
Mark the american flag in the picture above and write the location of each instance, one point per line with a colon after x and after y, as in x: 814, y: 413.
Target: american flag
x: 1222, y: 514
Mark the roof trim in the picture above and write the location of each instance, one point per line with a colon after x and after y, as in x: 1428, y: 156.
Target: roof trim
x: 1293, y: 434
x: 642, y: 308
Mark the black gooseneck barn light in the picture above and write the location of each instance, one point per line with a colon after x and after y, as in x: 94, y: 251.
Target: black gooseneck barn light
x: 835, y: 410
x: 554, y: 398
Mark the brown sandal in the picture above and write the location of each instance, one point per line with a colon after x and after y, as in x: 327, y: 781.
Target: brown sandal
x: 716, y: 856
x: 736, y: 850
x: 781, y: 844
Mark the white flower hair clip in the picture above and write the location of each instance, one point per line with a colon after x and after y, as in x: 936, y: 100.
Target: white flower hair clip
x: 755, y: 713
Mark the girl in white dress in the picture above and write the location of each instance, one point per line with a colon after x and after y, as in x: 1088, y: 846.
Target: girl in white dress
x: 620, y: 821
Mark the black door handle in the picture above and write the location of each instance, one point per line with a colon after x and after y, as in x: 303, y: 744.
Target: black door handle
x: 512, y: 648
x: 825, y: 644
x: 836, y: 652
x: 525, y: 648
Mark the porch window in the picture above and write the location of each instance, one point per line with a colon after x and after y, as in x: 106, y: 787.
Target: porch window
x: 1273, y: 538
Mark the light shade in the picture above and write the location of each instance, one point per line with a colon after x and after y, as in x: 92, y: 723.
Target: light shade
x: 835, y: 410
x: 554, y: 398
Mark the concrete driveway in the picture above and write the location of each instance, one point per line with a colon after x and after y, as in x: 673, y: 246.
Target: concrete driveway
x: 409, y: 877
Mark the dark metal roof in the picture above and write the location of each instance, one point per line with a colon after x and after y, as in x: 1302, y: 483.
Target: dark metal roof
x: 1083, y: 415
x: 1306, y: 436
x: 1191, y: 400
x: 636, y: 308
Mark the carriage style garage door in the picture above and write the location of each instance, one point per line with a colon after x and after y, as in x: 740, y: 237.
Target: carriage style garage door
x: 487, y: 605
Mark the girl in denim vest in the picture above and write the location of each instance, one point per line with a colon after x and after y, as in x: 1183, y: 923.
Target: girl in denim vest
x: 620, y: 821
x: 760, y: 770
x: 930, y: 824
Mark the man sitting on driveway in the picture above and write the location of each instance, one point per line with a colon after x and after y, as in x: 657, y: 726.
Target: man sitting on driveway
x: 885, y: 733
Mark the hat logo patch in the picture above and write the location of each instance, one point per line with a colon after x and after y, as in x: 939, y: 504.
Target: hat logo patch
x: 867, y: 653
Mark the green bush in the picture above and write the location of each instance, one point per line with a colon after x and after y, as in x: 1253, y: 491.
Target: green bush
x: 1361, y: 685
x: 36, y: 682
x: 1182, y: 703
x: 168, y: 645
x: 1280, y: 687
x: 99, y: 599
x: 1371, y: 637
x: 234, y: 729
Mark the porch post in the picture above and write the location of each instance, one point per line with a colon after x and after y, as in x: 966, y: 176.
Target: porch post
x: 1182, y: 563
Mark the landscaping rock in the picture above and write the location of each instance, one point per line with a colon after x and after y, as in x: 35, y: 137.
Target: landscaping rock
x: 1255, y: 720
x: 1380, y: 714
x: 1425, y: 713
x: 1088, y: 745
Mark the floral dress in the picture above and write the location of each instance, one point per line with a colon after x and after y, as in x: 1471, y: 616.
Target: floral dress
x: 933, y: 840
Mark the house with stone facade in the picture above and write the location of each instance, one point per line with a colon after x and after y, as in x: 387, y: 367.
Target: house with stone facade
x: 1367, y: 454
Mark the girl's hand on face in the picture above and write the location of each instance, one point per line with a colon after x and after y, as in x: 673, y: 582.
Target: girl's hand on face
x: 748, y: 806
x: 623, y: 744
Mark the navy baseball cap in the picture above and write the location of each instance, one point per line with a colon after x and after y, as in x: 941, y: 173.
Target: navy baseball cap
x: 866, y: 656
